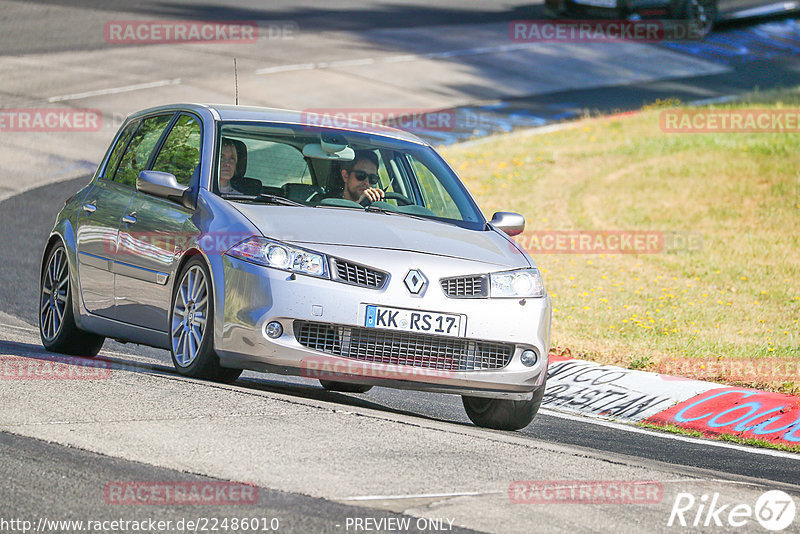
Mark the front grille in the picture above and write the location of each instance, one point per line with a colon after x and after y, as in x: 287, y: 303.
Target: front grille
x: 466, y: 286
x: 403, y: 348
x: 357, y: 275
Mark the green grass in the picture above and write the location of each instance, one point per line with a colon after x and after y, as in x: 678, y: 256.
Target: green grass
x: 733, y: 296
x: 672, y: 429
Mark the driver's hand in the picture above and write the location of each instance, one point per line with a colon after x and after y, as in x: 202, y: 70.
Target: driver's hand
x: 374, y: 194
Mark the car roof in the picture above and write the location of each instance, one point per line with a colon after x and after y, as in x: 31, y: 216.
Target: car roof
x: 312, y: 118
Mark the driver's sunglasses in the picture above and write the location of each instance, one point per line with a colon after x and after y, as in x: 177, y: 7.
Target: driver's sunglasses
x: 363, y: 175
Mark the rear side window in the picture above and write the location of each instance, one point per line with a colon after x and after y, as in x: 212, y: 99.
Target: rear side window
x: 116, y: 153
x: 180, y: 154
x: 140, y: 148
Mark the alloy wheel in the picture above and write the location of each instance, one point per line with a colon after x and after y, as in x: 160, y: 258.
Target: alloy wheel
x: 189, y: 315
x: 55, y: 288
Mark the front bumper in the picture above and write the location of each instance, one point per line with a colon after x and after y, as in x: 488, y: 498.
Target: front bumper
x: 256, y: 295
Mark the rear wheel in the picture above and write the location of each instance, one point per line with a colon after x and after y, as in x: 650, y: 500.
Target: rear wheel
x: 56, y: 320
x: 191, y: 322
x: 503, y: 414
x: 344, y: 387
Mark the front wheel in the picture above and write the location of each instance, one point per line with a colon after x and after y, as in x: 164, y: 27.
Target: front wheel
x: 502, y: 414
x: 57, y: 327
x: 191, y: 322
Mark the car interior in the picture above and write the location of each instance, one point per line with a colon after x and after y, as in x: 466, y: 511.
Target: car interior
x: 308, y: 171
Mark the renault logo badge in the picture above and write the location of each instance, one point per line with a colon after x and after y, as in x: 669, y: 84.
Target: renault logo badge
x: 415, y: 281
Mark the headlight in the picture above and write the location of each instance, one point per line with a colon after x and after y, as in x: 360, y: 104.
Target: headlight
x: 280, y: 256
x: 522, y: 283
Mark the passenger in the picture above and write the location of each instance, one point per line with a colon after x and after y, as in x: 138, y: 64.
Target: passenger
x: 232, y: 164
x: 360, y: 177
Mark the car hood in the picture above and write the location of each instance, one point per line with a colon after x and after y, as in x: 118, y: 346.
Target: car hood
x: 346, y: 227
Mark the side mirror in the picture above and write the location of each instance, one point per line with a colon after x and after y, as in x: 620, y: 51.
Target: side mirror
x: 164, y: 185
x: 508, y: 222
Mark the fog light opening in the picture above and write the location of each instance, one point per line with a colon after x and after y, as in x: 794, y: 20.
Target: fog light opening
x: 528, y: 358
x: 273, y: 330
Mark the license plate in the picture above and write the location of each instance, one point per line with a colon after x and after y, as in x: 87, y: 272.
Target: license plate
x: 443, y: 324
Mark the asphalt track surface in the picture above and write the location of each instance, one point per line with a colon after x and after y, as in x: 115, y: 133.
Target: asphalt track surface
x: 65, y: 484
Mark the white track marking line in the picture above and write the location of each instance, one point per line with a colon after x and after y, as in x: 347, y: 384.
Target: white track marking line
x: 420, y: 496
x: 347, y: 63
x: 285, y: 68
x: 398, y: 59
x: 114, y: 90
x: 666, y: 435
x: 505, y: 492
x: 23, y: 328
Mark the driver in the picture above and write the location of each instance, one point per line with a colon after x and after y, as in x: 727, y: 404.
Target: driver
x: 360, y: 177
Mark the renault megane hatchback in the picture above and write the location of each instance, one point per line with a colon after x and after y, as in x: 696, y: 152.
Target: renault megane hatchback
x: 249, y: 238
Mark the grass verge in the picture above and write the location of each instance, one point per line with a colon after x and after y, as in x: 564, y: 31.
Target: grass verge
x: 721, y: 300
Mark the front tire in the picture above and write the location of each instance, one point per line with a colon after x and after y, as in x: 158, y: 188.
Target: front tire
x: 191, y: 322
x: 57, y: 327
x: 503, y: 414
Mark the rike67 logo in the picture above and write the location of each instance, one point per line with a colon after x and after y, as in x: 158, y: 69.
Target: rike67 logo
x: 774, y: 510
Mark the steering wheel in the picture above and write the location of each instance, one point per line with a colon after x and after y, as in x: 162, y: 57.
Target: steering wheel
x: 402, y: 200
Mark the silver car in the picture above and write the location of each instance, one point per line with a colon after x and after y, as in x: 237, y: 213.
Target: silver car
x: 250, y: 238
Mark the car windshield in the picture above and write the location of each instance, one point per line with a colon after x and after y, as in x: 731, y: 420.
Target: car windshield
x: 324, y: 168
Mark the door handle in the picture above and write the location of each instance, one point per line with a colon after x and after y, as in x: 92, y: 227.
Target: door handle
x: 89, y: 208
x: 129, y: 219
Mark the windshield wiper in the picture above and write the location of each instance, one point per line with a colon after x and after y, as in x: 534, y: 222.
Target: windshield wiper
x: 375, y: 209
x: 263, y: 197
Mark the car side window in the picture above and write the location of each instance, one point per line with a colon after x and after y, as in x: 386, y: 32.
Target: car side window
x: 180, y: 154
x: 436, y: 197
x: 116, y: 153
x: 140, y: 148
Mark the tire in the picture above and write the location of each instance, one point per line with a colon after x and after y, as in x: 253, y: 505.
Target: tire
x: 191, y: 320
x: 702, y: 13
x: 57, y: 327
x: 502, y: 414
x: 344, y: 387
